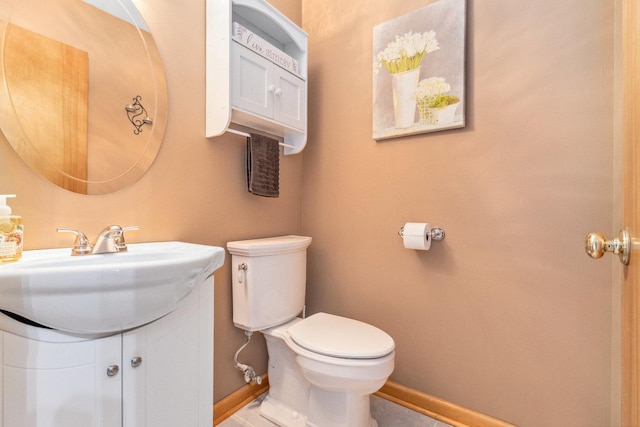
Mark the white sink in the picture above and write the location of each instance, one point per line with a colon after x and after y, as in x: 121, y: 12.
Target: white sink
x: 96, y: 294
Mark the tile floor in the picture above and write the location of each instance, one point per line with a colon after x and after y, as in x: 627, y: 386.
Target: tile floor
x: 388, y: 414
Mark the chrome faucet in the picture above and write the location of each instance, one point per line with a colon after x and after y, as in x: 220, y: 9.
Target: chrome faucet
x: 110, y: 240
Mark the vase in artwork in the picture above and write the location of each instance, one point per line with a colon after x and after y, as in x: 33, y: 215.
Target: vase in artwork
x: 404, y: 105
x: 436, y: 115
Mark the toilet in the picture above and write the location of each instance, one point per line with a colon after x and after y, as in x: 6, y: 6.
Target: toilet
x: 322, y: 368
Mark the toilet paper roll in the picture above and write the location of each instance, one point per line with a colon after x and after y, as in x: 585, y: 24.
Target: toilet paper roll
x: 417, y: 235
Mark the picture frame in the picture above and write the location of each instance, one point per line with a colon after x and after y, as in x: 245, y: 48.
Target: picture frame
x: 419, y: 71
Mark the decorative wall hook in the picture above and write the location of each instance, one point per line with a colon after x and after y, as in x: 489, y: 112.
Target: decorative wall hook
x: 138, y: 115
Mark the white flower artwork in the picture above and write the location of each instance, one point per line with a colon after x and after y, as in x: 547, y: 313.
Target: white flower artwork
x: 419, y: 71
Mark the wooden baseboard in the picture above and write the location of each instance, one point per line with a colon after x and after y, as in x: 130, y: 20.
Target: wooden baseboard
x: 437, y: 408
x: 226, y: 407
x: 417, y: 401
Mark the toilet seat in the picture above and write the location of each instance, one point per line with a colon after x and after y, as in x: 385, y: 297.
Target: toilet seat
x: 340, y: 337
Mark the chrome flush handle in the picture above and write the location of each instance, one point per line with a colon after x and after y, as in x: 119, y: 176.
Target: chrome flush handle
x: 242, y: 271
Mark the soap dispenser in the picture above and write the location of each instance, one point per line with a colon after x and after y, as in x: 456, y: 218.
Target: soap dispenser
x: 11, y: 232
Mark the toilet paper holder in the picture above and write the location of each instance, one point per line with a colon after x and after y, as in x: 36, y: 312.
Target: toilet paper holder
x: 436, y: 233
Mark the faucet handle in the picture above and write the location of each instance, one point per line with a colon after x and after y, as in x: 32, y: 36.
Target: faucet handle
x: 81, y: 245
x: 120, y: 243
x: 132, y: 228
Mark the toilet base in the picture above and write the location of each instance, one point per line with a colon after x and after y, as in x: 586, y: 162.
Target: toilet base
x: 280, y: 414
x: 354, y: 412
x: 339, y: 409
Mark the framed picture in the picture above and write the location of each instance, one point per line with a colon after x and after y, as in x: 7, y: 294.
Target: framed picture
x: 419, y: 71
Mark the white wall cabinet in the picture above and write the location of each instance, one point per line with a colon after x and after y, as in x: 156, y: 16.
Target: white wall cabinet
x: 248, y: 89
x: 158, y: 375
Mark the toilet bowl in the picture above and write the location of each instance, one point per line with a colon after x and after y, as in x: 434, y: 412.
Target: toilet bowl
x: 316, y: 381
x: 323, y: 368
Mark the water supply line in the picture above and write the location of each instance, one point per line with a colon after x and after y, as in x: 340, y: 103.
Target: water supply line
x: 249, y: 373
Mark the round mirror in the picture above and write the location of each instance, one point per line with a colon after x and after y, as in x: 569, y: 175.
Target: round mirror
x: 84, y: 96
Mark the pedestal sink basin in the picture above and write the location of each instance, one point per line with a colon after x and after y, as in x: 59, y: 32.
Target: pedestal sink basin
x: 106, y: 293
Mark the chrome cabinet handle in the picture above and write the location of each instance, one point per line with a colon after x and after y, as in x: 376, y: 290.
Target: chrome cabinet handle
x: 136, y: 361
x: 596, y: 245
x: 113, y: 370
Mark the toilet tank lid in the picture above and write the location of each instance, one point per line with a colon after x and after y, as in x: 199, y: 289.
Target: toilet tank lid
x: 269, y: 245
x: 337, y: 336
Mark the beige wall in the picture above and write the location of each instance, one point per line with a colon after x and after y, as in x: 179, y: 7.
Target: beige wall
x: 195, y: 191
x: 507, y: 316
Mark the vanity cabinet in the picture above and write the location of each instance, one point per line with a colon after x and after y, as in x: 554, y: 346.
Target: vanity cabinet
x: 157, y: 375
x: 256, y: 71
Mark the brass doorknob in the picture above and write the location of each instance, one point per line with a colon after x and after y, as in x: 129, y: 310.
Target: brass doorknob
x: 596, y: 245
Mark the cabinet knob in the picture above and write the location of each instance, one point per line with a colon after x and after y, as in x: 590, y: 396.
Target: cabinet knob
x: 113, y: 370
x: 136, y: 361
x: 274, y: 90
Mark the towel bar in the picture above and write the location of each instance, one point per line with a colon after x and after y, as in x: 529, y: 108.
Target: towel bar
x: 245, y: 134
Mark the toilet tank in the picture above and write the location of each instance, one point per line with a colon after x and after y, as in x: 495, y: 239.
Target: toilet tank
x: 269, y: 279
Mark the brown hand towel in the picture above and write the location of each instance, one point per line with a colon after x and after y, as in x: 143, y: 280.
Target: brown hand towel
x: 263, y: 165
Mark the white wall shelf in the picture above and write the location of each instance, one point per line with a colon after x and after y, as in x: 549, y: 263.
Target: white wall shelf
x: 249, y: 87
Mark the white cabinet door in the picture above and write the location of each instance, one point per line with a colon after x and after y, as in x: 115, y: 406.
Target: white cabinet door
x: 168, y: 366
x: 261, y: 87
x: 60, y: 384
x: 251, y: 79
x: 290, y: 99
